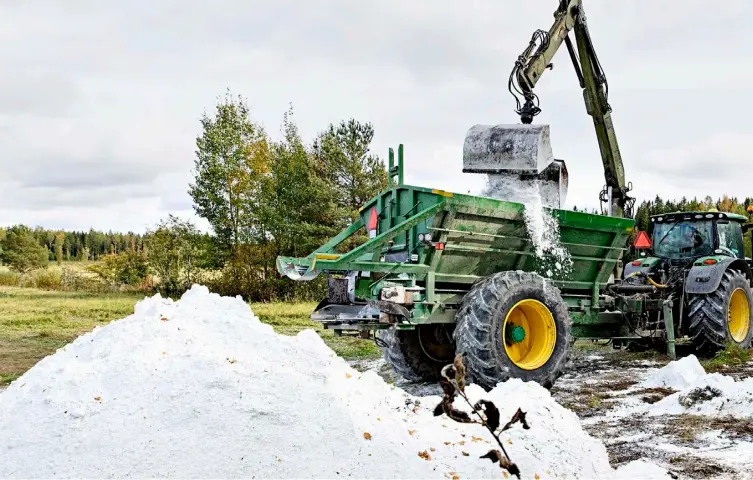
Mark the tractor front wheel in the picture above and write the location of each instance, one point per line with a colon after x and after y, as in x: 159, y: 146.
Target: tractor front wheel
x: 419, y: 355
x: 513, y: 325
x: 723, y: 316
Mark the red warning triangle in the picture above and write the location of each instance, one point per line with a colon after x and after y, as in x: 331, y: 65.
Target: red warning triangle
x: 642, y: 240
x: 372, y: 223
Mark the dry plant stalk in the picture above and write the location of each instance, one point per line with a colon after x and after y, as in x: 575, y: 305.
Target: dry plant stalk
x: 453, y: 384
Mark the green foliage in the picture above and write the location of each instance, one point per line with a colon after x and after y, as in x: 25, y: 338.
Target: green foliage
x: 174, y: 254
x: 73, y: 280
x: 342, y: 158
x: 731, y: 356
x: 9, y: 279
x: 658, y: 206
x: 232, y: 157
x: 127, y: 268
x: 59, y: 239
x: 65, y: 278
x: 83, y: 245
x: 265, y: 198
x: 43, y: 279
x: 593, y: 211
x: 301, y: 210
x: 21, y: 251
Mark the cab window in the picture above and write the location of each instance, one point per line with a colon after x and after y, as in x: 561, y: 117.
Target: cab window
x: 684, y: 239
x: 730, y: 237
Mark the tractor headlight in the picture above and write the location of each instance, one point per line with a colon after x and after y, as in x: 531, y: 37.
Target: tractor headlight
x: 427, y: 237
x: 420, y: 237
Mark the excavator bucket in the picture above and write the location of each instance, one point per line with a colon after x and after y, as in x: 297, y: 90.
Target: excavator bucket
x: 513, y: 156
x: 507, y: 148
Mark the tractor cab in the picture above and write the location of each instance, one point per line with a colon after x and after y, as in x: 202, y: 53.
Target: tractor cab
x: 691, y: 235
x: 682, y: 239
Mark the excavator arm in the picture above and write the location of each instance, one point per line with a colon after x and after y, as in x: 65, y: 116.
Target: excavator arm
x: 537, y: 58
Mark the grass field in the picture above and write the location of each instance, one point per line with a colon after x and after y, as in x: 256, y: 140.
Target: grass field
x: 34, y: 323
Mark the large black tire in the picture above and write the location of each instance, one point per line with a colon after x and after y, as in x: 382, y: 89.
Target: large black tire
x: 709, y: 315
x: 419, y: 355
x: 481, y: 319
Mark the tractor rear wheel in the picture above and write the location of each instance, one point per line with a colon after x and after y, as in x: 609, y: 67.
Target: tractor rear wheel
x: 419, y: 355
x: 513, y: 325
x: 722, y: 316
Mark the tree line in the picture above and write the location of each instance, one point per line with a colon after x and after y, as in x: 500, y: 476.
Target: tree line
x: 63, y: 245
x: 658, y: 206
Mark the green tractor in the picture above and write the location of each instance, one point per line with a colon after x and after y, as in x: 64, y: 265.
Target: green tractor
x: 696, y: 259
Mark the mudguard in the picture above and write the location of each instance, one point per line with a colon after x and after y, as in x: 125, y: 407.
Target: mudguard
x: 705, y: 279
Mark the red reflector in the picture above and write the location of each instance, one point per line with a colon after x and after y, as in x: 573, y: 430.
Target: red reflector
x: 439, y: 246
x: 636, y: 263
x: 642, y: 240
x: 372, y: 223
x: 709, y: 261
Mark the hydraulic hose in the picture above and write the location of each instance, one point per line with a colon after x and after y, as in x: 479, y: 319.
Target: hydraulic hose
x: 657, y: 285
x: 649, y: 279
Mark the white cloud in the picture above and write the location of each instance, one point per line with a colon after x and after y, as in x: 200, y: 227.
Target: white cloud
x: 100, y: 102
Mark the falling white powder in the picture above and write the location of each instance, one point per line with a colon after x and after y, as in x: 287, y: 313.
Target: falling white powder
x: 553, y: 259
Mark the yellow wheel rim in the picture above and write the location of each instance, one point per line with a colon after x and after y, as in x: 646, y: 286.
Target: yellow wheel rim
x: 534, y: 322
x: 738, y: 315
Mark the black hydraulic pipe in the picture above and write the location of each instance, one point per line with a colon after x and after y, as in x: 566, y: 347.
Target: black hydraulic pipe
x: 633, y: 288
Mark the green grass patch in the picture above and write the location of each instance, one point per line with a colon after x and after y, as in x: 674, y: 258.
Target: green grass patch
x: 291, y: 318
x: 589, y: 346
x: 34, y: 323
x: 731, y: 356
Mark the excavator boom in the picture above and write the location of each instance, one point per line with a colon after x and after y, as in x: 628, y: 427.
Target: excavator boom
x: 537, y: 58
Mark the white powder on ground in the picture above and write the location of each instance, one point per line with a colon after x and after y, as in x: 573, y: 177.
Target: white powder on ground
x: 698, y: 392
x: 640, y: 469
x: 712, y: 394
x: 701, y: 393
x: 678, y: 374
x: 553, y: 259
x: 200, y: 388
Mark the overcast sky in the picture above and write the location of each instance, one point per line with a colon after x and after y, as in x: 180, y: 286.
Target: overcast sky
x: 100, y: 100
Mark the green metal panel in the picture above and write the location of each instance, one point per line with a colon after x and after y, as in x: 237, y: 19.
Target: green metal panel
x: 486, y: 236
x: 481, y: 236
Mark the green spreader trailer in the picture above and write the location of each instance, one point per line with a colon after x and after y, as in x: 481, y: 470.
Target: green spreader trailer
x: 444, y: 273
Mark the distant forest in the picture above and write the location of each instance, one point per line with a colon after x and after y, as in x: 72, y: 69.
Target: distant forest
x: 89, y: 245
x: 658, y: 206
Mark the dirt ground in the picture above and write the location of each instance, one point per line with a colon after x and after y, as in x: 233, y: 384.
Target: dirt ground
x: 600, y: 380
